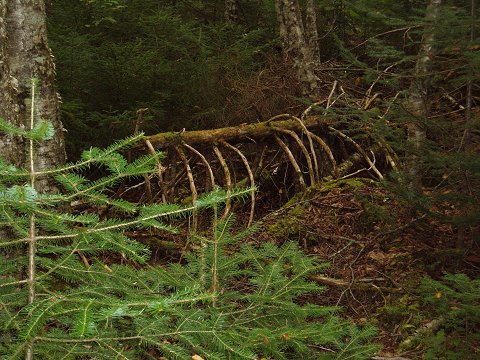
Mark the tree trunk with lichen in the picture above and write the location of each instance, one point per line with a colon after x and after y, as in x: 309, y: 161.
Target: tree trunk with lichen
x: 295, y: 46
x: 24, y: 55
x: 418, y: 103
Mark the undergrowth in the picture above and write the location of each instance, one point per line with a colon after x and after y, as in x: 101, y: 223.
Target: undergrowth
x: 62, y: 295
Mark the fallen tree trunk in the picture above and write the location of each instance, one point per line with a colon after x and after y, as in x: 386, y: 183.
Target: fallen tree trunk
x: 262, y: 152
x: 236, y: 133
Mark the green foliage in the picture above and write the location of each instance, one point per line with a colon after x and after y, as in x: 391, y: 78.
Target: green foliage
x: 226, y: 300
x: 115, y: 59
x: 454, y: 301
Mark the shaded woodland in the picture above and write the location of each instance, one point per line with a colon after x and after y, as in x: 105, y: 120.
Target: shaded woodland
x: 239, y: 179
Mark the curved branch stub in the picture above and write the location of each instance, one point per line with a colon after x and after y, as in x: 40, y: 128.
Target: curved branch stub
x: 205, y: 162
x: 191, y: 181
x: 292, y: 161
x: 360, y: 150
x: 304, y: 150
x: 250, y: 175
x: 228, y: 180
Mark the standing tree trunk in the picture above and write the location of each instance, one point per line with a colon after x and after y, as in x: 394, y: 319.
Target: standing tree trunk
x: 417, y: 103
x: 231, y: 12
x: 24, y: 54
x: 295, y: 45
x: 311, y: 31
x: 11, y: 147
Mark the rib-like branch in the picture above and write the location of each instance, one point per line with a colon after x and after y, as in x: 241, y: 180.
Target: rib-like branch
x: 292, y: 161
x: 310, y: 142
x: 191, y: 181
x: 304, y: 150
x: 228, y: 180
x: 250, y: 175
x: 359, y: 149
x: 205, y: 162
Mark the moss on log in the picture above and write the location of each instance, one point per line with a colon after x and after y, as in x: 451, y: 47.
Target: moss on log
x: 232, y: 133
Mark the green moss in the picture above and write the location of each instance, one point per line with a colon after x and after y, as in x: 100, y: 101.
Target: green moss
x: 295, y: 208
x: 289, y: 225
x: 352, y: 182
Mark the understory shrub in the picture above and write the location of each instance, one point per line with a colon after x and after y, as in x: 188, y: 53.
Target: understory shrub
x: 454, y: 303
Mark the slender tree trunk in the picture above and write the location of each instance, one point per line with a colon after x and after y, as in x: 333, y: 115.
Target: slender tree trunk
x: 24, y: 54
x: 282, y: 30
x: 417, y: 103
x: 295, y: 46
x: 465, y: 232
x: 311, y: 31
x: 231, y: 12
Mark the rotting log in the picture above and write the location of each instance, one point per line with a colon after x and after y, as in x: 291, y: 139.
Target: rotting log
x: 307, y: 135
x: 232, y: 133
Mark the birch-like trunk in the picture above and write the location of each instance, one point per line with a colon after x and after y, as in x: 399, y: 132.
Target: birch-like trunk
x: 418, y: 103
x: 311, y: 31
x: 231, y: 12
x: 295, y: 47
x: 24, y: 54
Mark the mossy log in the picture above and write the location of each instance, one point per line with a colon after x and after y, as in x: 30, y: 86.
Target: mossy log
x: 233, y: 133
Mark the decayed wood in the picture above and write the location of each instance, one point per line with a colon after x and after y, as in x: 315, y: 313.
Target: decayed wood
x: 292, y: 161
x: 360, y: 150
x: 261, y: 135
x: 205, y: 162
x: 357, y: 285
x: 237, y: 133
x: 160, y: 170
x: 310, y: 142
x: 327, y: 151
x: 191, y: 181
x: 228, y: 180
x: 304, y: 150
x: 251, y: 177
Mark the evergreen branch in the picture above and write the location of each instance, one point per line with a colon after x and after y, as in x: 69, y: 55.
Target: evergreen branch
x: 204, y: 203
x: 266, y: 284
x: 59, y: 264
x: 234, y: 349
x: 90, y: 157
x: 119, y: 338
x: 283, y: 290
x: 84, y: 325
x: 14, y: 283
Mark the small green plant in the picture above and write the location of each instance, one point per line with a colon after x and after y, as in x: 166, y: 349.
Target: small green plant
x: 454, y: 304
x: 65, y: 294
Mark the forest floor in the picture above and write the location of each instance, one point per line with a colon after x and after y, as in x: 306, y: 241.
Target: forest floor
x: 378, y: 251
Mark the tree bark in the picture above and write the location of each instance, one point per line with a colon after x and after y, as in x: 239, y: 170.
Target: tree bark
x: 24, y: 55
x: 311, y: 31
x: 295, y: 47
x: 234, y: 133
x: 231, y: 12
x: 418, y: 103
x: 11, y: 148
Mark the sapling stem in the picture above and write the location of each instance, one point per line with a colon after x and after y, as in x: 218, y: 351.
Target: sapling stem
x: 32, y: 248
